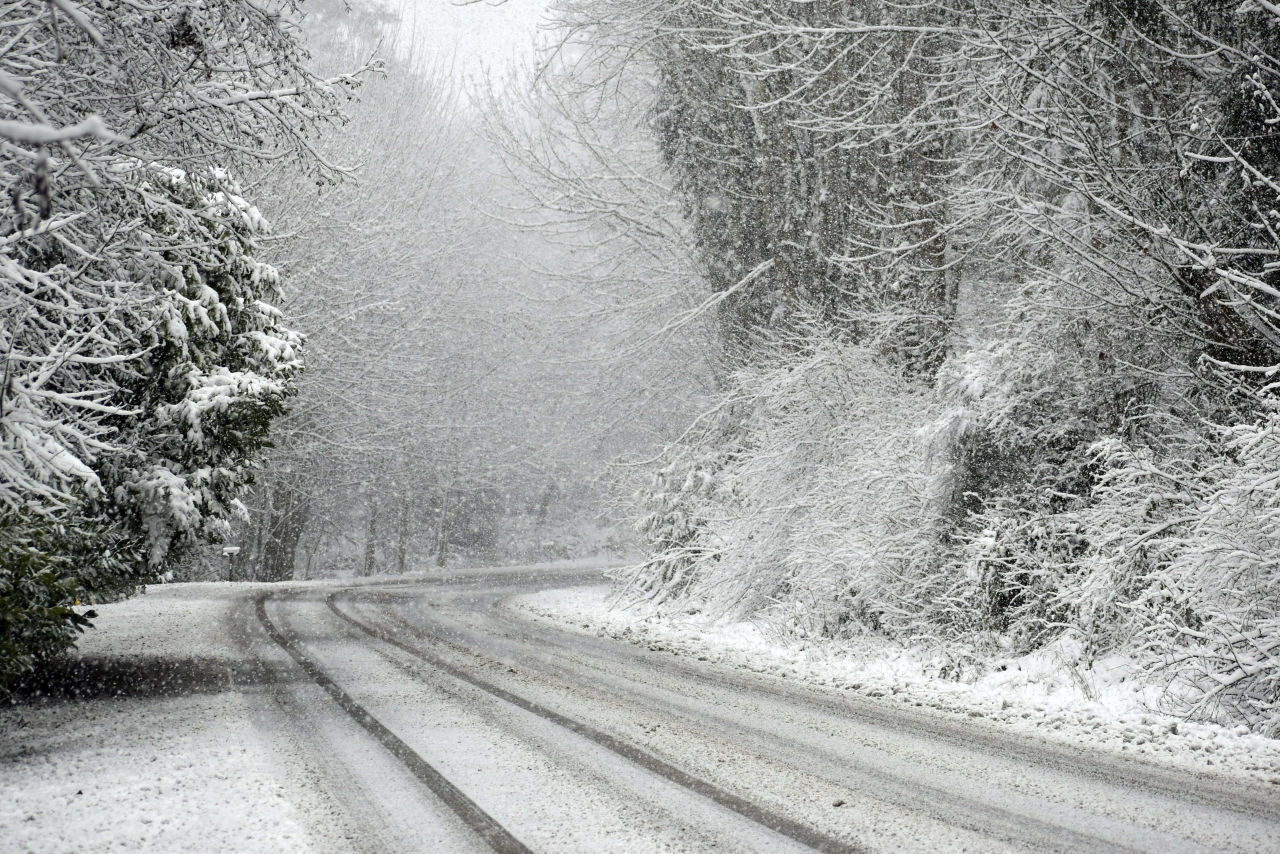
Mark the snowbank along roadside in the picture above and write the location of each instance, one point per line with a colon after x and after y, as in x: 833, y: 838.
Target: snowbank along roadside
x: 1042, y: 695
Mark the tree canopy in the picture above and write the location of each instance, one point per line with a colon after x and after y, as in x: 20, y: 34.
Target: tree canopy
x: 143, y: 358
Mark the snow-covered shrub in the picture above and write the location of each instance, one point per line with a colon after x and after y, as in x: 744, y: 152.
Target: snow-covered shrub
x: 1184, y: 569
x: 189, y: 366
x: 217, y: 368
x: 1087, y: 495
x: 1021, y: 415
x: 815, y: 508
x: 1173, y: 558
x: 48, y: 568
x: 673, y: 526
x: 140, y: 359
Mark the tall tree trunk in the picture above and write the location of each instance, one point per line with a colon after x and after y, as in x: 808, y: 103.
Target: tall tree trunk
x: 442, y: 532
x: 370, y: 543
x: 402, y: 547
x: 286, y: 519
x: 311, y: 550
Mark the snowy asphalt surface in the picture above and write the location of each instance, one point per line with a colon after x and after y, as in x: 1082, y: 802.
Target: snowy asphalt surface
x: 426, y: 716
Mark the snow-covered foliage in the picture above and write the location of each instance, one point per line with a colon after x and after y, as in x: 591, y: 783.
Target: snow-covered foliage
x: 1061, y: 217
x: 804, y: 496
x: 219, y: 364
x: 1020, y: 416
x: 1184, y: 565
x: 149, y: 427
x: 1169, y: 556
x: 178, y: 376
x: 143, y: 360
x: 676, y: 523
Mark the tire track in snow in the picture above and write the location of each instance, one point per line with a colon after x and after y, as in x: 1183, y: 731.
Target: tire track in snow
x: 1128, y: 772
x: 495, y: 835
x: 782, y: 825
x: 997, y: 820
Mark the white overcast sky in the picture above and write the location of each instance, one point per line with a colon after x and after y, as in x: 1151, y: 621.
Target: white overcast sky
x: 474, y: 35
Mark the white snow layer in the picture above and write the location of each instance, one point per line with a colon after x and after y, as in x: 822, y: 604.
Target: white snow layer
x: 154, y: 773
x: 200, y: 772
x: 1044, y: 694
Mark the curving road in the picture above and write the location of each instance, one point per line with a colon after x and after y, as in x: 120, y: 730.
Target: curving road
x: 440, y: 721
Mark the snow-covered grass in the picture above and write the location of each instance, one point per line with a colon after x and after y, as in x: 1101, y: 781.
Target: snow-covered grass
x: 168, y: 770
x: 1045, y: 694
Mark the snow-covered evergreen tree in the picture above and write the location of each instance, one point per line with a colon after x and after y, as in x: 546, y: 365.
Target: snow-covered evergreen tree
x: 143, y: 361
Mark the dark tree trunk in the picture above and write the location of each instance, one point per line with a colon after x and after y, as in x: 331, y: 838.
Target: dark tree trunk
x: 371, y: 542
x: 285, y: 519
x: 402, y: 546
x: 442, y: 532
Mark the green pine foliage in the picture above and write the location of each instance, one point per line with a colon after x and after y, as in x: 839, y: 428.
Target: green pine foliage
x: 141, y: 359
x: 53, y: 572
x: 190, y: 409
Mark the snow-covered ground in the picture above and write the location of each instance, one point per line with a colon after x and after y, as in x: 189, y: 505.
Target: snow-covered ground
x: 169, y: 757
x: 159, y: 753
x: 171, y: 766
x: 1041, y: 694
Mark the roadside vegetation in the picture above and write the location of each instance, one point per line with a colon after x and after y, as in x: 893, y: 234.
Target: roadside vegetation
x: 996, y: 292
x: 143, y: 357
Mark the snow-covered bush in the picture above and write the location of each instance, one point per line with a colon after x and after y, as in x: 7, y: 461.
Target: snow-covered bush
x: 184, y: 365
x: 1020, y: 416
x: 219, y: 362
x: 808, y: 497
x: 49, y: 568
x: 674, y: 524
x: 187, y: 371
x: 1222, y: 613
x: 1088, y: 495
x: 1183, y: 568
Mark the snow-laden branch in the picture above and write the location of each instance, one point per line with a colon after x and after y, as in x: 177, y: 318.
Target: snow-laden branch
x: 43, y: 134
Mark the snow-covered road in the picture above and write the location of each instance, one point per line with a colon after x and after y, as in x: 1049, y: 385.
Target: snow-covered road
x: 426, y: 716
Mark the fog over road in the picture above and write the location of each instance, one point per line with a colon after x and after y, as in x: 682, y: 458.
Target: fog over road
x: 438, y: 719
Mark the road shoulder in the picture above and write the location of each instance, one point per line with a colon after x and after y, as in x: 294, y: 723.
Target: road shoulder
x: 152, y: 737
x: 1041, y: 699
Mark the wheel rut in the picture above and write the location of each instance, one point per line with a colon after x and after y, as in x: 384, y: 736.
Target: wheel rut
x: 782, y: 825
x: 485, y: 826
x: 953, y: 808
